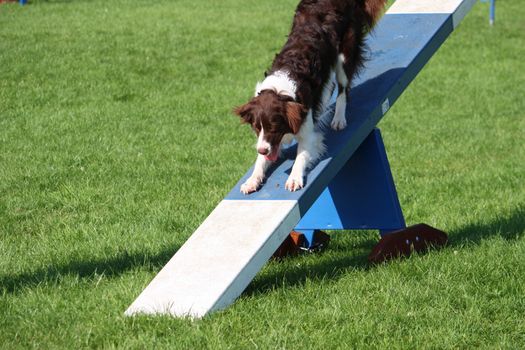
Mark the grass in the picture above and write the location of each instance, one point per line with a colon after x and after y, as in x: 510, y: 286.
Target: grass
x: 116, y: 141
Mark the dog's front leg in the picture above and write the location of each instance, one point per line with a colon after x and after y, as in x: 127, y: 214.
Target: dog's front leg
x: 309, y: 148
x: 257, y: 177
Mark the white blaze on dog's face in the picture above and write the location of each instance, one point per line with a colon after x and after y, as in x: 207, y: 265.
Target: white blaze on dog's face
x: 265, y: 148
x: 272, y: 116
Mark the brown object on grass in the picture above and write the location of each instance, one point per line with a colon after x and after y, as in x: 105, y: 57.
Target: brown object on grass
x: 291, y: 245
x: 403, y: 242
x: 296, y: 243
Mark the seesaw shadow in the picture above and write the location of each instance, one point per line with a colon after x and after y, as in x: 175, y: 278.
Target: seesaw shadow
x: 341, y: 259
x: 86, y: 269
x: 332, y: 265
x: 508, y: 227
x: 511, y: 227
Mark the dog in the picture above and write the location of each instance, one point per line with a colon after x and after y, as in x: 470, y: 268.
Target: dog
x: 326, y: 39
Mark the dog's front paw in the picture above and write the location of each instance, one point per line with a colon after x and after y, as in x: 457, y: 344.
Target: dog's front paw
x: 251, y: 185
x: 294, y: 182
x: 338, y: 123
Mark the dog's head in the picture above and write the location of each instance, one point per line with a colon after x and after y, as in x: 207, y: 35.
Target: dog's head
x: 272, y: 116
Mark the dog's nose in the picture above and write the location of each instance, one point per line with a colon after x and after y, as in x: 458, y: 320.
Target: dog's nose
x: 263, y: 150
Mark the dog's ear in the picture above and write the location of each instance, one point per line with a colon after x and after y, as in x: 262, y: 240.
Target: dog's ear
x: 245, y: 112
x: 295, y: 113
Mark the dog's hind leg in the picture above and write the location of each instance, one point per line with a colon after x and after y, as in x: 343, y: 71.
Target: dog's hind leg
x: 349, y: 60
x: 328, y: 90
x: 339, y: 120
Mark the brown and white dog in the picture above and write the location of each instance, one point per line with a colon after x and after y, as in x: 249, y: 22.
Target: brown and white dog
x: 326, y: 38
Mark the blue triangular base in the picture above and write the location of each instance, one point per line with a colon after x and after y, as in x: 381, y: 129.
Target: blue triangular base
x: 361, y: 196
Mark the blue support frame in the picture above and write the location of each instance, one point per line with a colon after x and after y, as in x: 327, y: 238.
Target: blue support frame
x: 362, y: 195
x: 492, y: 15
x: 399, y: 47
x: 492, y: 11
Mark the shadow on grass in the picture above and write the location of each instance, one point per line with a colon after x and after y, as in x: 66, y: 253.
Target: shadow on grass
x: 508, y: 227
x: 86, y: 269
x: 327, y: 269
x: 330, y: 265
x: 334, y: 264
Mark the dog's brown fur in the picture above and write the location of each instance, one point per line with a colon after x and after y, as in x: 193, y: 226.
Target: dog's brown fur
x: 321, y: 29
x: 326, y: 36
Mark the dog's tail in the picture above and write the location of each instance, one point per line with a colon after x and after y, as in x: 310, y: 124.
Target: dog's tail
x: 373, y: 11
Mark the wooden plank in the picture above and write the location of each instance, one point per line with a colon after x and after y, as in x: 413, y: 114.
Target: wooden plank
x: 219, y: 260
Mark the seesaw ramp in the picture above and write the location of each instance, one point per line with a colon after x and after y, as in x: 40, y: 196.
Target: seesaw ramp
x: 224, y: 254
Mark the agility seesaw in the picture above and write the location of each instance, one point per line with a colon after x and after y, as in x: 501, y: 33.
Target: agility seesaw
x: 351, y: 187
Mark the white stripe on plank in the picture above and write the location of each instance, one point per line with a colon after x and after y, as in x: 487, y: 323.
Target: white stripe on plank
x: 458, y: 8
x: 424, y: 6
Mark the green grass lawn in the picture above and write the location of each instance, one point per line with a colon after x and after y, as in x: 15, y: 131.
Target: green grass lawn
x: 117, y: 140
